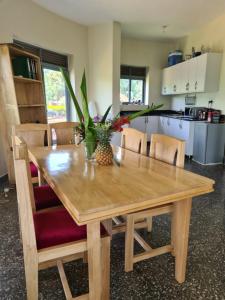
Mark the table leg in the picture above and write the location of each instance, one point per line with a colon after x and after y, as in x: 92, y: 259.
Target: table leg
x: 94, y: 260
x: 180, y: 227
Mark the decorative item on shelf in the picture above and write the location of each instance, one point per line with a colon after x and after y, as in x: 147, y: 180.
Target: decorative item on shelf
x: 24, y: 67
x: 96, y: 132
x: 175, y: 57
x: 187, y: 56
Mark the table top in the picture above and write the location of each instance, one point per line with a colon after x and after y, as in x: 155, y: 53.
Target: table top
x: 134, y: 182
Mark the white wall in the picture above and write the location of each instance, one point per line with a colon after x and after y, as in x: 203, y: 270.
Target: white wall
x: 212, y: 37
x: 104, y: 62
x: 152, y: 55
x: 26, y: 21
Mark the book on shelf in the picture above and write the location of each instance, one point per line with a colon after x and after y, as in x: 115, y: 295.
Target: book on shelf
x: 25, y: 67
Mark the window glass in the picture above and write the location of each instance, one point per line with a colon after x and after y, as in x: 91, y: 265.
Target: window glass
x: 124, y: 90
x: 55, y: 93
x: 136, y: 90
x: 132, y: 84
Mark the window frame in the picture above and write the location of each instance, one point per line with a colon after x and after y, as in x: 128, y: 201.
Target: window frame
x: 130, y: 77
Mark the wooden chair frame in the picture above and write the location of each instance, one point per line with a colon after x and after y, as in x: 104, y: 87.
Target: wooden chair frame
x: 35, y: 259
x: 34, y: 135
x: 64, y: 132
x: 172, y: 151
x: 134, y: 140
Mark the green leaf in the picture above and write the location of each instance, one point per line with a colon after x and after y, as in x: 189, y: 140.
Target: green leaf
x: 106, y: 114
x: 74, y: 98
x: 142, y: 112
x: 87, y: 119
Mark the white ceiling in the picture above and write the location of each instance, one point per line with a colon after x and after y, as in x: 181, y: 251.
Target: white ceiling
x: 141, y: 18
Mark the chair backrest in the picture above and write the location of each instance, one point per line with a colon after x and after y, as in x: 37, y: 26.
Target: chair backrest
x: 64, y: 132
x: 25, y: 195
x: 134, y: 140
x: 167, y: 149
x: 33, y: 134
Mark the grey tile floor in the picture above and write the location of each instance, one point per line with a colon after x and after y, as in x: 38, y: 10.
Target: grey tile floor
x: 151, y: 279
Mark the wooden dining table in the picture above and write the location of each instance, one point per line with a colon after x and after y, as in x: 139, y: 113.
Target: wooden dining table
x: 93, y: 193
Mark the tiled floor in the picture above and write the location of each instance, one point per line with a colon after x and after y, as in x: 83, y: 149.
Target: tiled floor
x: 151, y: 279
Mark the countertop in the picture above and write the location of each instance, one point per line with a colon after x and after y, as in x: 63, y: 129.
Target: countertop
x: 158, y: 112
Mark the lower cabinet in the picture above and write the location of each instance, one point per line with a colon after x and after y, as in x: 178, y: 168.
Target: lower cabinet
x: 148, y: 124
x: 177, y: 128
x: 180, y: 129
x: 139, y: 124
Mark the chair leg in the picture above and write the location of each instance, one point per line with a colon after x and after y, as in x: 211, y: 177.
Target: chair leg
x: 40, y: 179
x: 108, y: 226
x: 173, y: 233
x: 106, y: 268
x: 149, y: 223
x: 129, y: 243
x: 31, y: 274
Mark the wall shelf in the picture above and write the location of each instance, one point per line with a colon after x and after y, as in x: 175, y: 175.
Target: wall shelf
x: 21, y: 99
x: 26, y: 80
x: 30, y: 105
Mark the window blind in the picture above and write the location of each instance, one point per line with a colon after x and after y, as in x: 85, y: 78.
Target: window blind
x: 45, y: 55
x: 129, y: 71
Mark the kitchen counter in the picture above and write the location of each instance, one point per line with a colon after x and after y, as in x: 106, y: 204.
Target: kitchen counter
x: 157, y: 112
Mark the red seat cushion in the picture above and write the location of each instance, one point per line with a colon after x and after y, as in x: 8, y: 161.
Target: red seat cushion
x: 57, y: 227
x: 45, y: 197
x: 33, y: 170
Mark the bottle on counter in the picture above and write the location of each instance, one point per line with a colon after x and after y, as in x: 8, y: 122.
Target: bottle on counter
x: 209, y: 116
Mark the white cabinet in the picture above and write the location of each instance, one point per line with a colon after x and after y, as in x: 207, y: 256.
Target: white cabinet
x: 152, y: 126
x: 197, y: 75
x: 166, y: 77
x: 139, y: 124
x: 180, y: 129
x: 148, y: 124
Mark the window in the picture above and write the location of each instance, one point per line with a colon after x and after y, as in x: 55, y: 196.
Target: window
x: 132, y: 84
x: 56, y: 94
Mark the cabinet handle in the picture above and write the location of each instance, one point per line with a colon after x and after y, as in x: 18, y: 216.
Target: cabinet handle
x: 168, y: 122
x: 180, y: 124
x: 187, y: 86
x: 174, y: 88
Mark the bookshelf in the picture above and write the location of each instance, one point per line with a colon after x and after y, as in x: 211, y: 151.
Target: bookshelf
x: 21, y: 94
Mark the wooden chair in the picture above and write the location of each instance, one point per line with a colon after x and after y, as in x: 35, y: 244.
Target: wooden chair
x: 50, y: 237
x: 171, y: 151
x: 134, y: 140
x: 64, y: 132
x: 34, y: 135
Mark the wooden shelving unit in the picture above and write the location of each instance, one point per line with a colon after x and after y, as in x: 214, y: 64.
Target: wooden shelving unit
x: 21, y: 99
x: 27, y: 80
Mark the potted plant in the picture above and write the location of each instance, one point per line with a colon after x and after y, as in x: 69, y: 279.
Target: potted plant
x: 96, y: 132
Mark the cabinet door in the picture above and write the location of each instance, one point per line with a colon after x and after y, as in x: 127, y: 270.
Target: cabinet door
x: 162, y: 125
x: 178, y: 80
x: 139, y: 124
x: 166, y: 81
x: 201, y: 64
x: 152, y: 126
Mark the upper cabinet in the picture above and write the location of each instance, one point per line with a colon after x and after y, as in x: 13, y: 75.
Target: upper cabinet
x: 196, y: 75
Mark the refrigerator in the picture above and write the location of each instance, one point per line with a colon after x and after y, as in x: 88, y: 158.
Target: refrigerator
x: 209, y: 143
